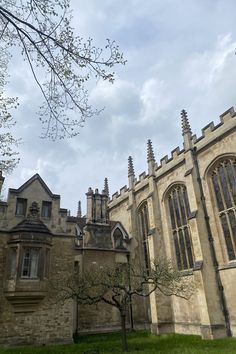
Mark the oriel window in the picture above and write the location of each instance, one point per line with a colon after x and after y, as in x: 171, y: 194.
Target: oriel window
x: 179, y: 213
x: 224, y: 184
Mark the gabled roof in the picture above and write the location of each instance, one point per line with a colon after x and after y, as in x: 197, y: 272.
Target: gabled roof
x: 118, y: 224
x: 30, y: 181
x: 81, y: 222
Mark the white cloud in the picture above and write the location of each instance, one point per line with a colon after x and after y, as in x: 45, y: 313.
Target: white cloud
x: 204, y: 69
x: 180, y: 55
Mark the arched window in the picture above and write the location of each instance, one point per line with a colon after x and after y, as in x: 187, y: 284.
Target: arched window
x: 224, y: 185
x: 144, y: 229
x: 179, y: 213
x: 118, y: 239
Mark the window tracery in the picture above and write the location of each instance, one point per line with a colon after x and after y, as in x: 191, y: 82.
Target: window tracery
x: 144, y: 230
x: 224, y: 185
x: 179, y: 213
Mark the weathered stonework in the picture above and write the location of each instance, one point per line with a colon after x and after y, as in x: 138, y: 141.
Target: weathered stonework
x: 40, y: 244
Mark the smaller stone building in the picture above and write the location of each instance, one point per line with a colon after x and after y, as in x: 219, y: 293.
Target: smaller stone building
x: 39, y: 244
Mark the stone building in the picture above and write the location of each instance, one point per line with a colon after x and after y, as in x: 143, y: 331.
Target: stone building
x: 184, y: 209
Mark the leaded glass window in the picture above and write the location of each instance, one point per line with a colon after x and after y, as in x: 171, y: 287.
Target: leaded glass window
x: 224, y: 184
x: 30, y: 263
x: 144, y: 230
x: 179, y: 213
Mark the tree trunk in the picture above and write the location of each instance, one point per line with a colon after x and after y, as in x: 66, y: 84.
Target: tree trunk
x: 123, y: 332
x: 76, y: 333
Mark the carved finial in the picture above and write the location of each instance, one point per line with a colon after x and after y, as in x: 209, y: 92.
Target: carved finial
x: 186, y: 129
x: 150, y: 153
x: 79, y: 212
x: 106, y: 188
x: 130, y: 167
x: 33, y: 210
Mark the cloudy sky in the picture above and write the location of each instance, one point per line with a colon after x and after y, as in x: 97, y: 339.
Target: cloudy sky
x: 180, y: 54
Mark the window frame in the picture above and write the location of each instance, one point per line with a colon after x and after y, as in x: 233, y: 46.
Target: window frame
x: 45, y: 204
x: 224, y: 243
x: 32, y: 273
x: 144, y: 228
x: 178, y: 211
x: 24, y: 206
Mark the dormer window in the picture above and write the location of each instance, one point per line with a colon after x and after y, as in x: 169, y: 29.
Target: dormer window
x: 21, y: 206
x: 46, y: 209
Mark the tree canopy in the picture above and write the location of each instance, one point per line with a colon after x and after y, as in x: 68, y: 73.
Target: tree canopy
x: 116, y: 286
x: 61, y: 62
x: 8, y: 144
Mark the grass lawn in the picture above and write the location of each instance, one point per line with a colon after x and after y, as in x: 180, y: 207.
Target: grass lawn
x: 139, y: 343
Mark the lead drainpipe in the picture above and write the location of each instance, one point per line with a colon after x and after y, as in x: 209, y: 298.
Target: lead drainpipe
x: 212, y: 248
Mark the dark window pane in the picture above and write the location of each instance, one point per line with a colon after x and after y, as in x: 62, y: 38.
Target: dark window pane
x: 183, y: 250
x: 189, y: 247
x: 118, y: 239
x: 224, y: 187
x: 177, y: 250
x: 232, y: 180
x: 179, y: 211
x: 172, y: 217
x: 30, y: 263
x: 146, y: 257
x: 144, y: 229
x: 146, y: 220
x: 217, y: 192
x: 232, y: 220
x: 186, y: 202
x: 228, y: 241
x: 176, y: 207
x: 46, y: 209
x: 182, y: 208
x: 21, y: 205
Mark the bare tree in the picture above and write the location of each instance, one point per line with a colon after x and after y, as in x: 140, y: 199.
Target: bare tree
x: 117, y: 285
x: 61, y: 62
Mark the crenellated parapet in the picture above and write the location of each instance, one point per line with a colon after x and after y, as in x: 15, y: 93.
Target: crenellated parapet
x: 210, y: 134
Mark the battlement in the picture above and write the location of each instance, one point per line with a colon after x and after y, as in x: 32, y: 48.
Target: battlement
x: 142, y: 176
x: 209, y: 133
x: 116, y: 195
x: 212, y: 131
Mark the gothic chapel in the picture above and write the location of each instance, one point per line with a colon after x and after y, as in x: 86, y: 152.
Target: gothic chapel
x: 184, y: 208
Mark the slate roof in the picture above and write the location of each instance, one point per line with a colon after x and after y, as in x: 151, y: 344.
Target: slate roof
x: 31, y: 225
